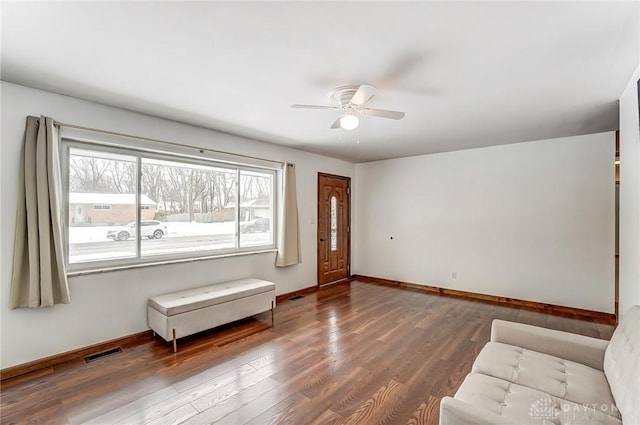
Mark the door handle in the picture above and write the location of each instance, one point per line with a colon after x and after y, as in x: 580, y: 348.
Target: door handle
x: 322, y: 239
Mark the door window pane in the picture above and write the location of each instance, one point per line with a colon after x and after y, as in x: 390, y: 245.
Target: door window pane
x: 334, y: 223
x: 102, y: 206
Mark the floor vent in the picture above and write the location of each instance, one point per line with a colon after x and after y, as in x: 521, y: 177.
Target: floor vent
x: 297, y: 297
x: 102, y: 354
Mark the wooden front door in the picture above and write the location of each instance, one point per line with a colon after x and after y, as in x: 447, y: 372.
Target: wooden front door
x: 333, y: 228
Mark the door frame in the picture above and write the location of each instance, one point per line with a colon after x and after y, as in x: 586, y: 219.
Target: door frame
x: 348, y: 180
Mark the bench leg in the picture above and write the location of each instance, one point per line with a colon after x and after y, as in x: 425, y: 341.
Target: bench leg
x: 175, y: 345
x: 272, y: 309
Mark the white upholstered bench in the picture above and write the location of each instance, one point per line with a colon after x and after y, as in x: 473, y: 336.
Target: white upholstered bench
x: 187, y: 312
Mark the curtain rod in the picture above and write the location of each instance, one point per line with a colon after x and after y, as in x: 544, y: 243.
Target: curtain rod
x: 149, y: 139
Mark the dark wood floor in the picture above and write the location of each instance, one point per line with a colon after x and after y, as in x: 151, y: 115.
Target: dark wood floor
x: 356, y: 353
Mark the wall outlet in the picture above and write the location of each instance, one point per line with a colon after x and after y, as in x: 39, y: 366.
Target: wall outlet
x: 454, y: 275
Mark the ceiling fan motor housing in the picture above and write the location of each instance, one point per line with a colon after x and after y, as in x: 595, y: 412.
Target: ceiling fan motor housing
x: 342, y: 95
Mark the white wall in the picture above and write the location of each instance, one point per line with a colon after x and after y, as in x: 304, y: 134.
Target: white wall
x: 533, y: 221
x: 110, y: 305
x: 629, y: 197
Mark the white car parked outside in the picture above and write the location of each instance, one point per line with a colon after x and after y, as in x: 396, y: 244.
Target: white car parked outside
x: 151, y: 229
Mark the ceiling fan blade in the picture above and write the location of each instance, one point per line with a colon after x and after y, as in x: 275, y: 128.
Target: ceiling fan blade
x: 336, y: 123
x: 313, y: 107
x: 394, y: 115
x: 364, y: 93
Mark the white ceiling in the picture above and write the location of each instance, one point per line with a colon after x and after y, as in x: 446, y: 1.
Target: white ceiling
x: 466, y: 74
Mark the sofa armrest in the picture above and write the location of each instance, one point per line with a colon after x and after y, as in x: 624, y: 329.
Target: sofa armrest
x: 577, y: 348
x: 457, y: 412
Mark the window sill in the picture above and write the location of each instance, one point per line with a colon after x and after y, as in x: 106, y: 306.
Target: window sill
x: 164, y: 262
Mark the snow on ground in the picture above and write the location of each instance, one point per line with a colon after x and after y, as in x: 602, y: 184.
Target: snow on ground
x: 112, y: 255
x: 177, y: 228
x: 88, y: 243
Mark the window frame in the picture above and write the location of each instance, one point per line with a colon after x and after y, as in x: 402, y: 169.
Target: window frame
x: 67, y: 143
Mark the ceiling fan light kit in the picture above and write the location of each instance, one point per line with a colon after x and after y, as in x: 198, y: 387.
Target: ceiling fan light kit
x: 349, y: 121
x: 351, y: 99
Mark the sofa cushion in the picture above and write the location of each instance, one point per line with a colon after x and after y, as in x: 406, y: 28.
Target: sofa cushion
x: 205, y: 296
x: 622, y: 366
x: 524, y: 405
x: 558, y: 377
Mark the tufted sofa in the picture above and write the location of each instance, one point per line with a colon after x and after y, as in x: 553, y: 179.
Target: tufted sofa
x: 532, y: 375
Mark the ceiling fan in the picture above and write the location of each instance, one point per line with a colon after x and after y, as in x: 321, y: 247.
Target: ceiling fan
x: 351, y: 100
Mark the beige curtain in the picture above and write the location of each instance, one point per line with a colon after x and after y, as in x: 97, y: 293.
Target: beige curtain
x: 288, y: 229
x: 39, y: 274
